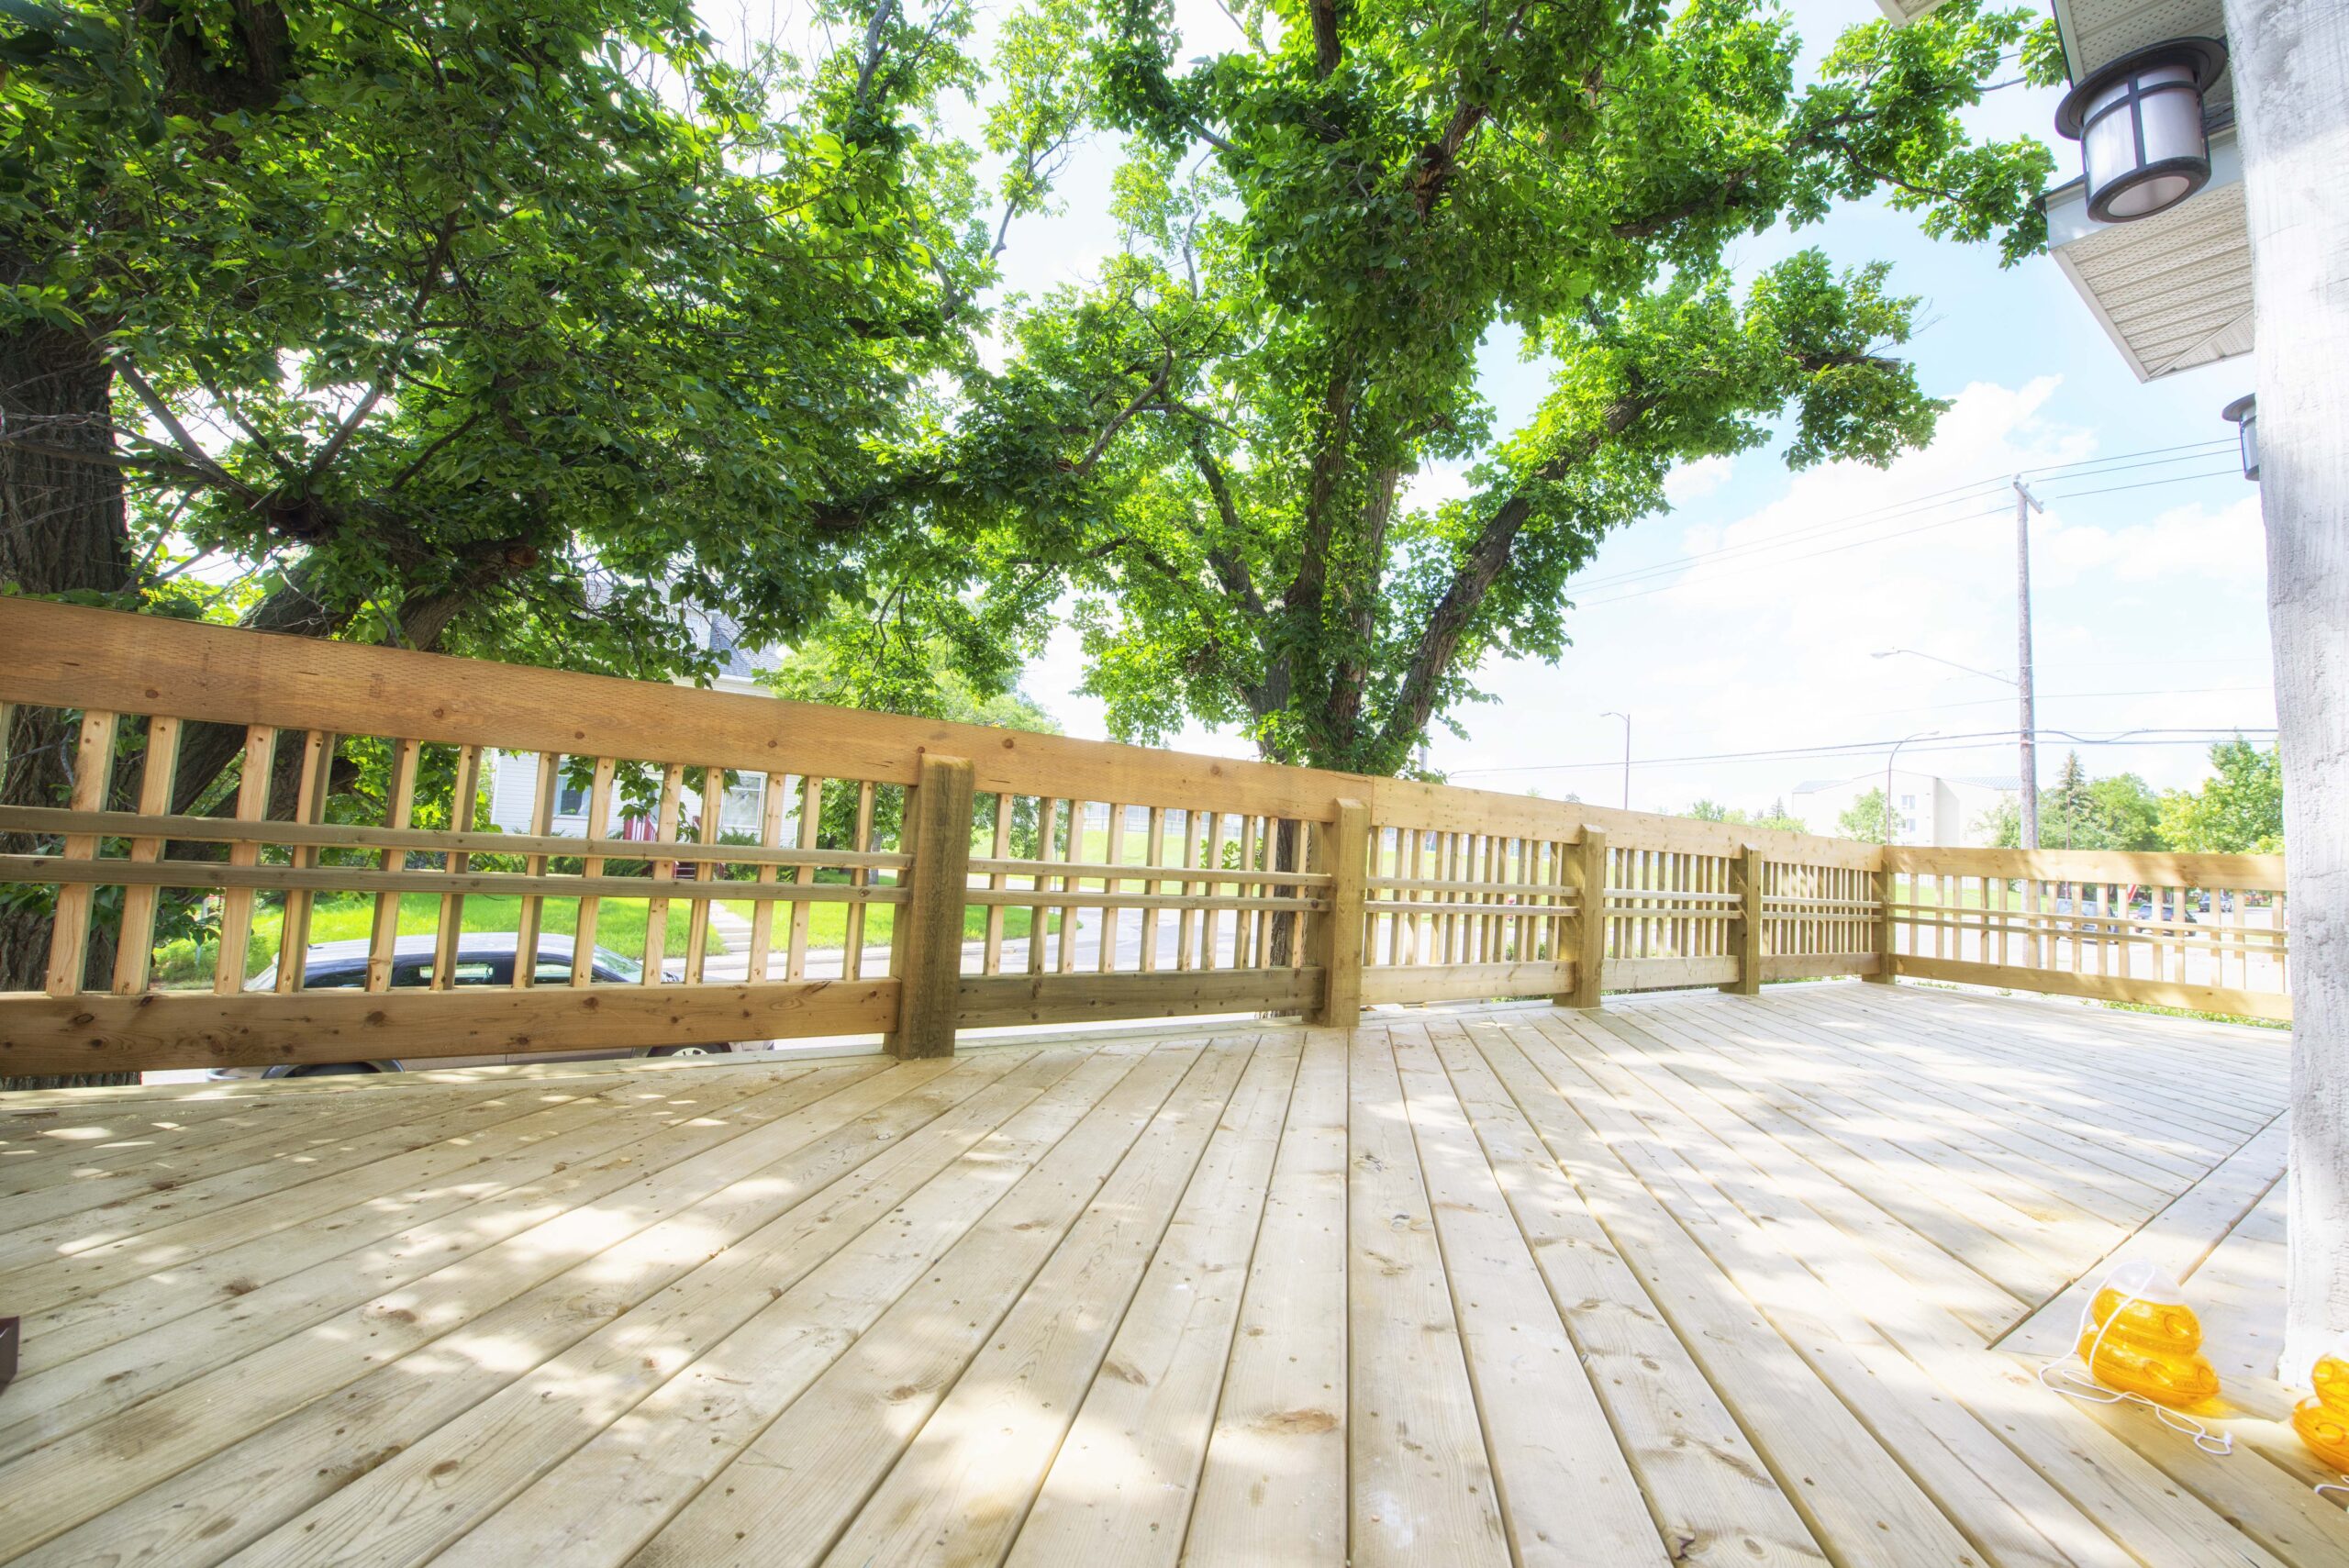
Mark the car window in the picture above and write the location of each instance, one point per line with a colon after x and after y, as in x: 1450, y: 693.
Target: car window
x: 472, y: 972
x: 334, y: 980
x: 553, y: 972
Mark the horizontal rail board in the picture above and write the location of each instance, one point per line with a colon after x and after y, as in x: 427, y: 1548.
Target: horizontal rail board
x: 42, y: 819
x: 147, y: 664
x: 2101, y: 987
x: 106, y: 1034
x: 2158, y: 869
x: 1080, y: 898
x: 998, y: 999
x: 2117, y: 925
x: 1413, y: 805
x: 1506, y: 909
x: 41, y: 870
x: 1643, y: 899
x: 1493, y: 884
x: 1098, y: 872
x: 1817, y: 965
x: 1660, y: 973
x: 1465, y: 982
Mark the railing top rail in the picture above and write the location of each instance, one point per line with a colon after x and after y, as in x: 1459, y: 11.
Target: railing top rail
x: 144, y: 664
x: 2149, y: 867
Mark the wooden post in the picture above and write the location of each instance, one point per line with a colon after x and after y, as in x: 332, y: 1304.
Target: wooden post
x: 1883, y: 974
x: 926, y: 944
x: 1590, y: 918
x: 1747, y: 873
x: 1343, y: 852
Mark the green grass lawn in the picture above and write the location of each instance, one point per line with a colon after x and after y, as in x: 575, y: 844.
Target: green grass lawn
x: 620, y: 925
x: 827, y: 924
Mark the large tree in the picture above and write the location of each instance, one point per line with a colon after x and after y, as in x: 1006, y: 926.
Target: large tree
x: 1326, y: 227
x: 494, y: 326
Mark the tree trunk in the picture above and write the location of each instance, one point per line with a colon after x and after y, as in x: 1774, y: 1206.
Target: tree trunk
x: 61, y: 531
x: 2292, y: 104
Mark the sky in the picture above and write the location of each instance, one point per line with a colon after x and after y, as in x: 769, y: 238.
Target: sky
x: 1747, y: 620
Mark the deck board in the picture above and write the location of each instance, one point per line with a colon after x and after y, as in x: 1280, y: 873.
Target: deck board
x: 1689, y: 1279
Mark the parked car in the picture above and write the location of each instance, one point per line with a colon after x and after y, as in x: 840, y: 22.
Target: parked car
x: 484, y: 958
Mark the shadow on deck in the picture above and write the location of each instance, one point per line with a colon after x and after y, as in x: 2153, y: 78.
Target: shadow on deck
x: 1696, y: 1278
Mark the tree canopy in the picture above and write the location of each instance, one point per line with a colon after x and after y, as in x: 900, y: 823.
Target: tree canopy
x: 1216, y: 446
x: 499, y: 327
x: 1865, y: 819
x: 2239, y: 810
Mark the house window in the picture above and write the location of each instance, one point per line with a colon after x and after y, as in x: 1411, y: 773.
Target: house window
x: 572, y: 801
x: 1908, y: 803
x: 740, y: 812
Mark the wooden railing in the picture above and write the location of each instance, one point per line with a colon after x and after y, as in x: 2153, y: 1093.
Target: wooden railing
x: 2200, y: 931
x: 891, y: 877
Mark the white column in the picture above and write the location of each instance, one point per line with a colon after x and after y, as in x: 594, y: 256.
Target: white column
x: 2291, y: 72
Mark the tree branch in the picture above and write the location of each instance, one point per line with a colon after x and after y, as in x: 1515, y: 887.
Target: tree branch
x: 1448, y: 624
x: 1327, y: 54
x: 187, y: 444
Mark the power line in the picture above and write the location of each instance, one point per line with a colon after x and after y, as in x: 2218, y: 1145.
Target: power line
x: 1955, y: 494
x: 1971, y: 742
x: 1884, y: 537
x: 1793, y: 536
x: 2060, y: 696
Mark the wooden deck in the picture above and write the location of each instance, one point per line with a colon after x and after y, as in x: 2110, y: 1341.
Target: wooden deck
x: 1695, y: 1279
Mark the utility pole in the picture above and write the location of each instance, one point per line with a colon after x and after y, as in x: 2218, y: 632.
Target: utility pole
x: 2025, y: 505
x: 1627, y: 754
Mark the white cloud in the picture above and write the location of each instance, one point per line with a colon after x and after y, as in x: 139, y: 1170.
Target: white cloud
x: 1752, y: 626
x: 1694, y: 481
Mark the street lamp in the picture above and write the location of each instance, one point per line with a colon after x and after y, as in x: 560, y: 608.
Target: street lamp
x: 1913, y: 653
x: 2243, y: 414
x: 2029, y: 785
x: 2139, y: 124
x: 1920, y: 735
x: 1627, y: 755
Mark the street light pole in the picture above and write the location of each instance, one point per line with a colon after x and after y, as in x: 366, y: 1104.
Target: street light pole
x: 1627, y: 755
x: 2025, y: 505
x: 1920, y: 735
x: 1920, y: 653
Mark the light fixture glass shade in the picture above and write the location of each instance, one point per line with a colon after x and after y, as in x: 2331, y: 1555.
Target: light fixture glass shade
x: 2244, y: 412
x: 2139, y: 123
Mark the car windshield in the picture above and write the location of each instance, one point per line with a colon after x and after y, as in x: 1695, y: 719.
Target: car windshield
x: 627, y: 969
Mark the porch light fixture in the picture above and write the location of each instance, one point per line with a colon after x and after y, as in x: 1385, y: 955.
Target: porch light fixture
x: 2243, y: 414
x: 2139, y: 124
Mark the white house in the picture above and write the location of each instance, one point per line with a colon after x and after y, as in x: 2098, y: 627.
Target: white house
x: 514, y: 776
x: 1927, y: 808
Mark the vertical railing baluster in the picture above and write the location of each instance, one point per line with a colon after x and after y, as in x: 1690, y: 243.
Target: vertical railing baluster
x: 236, y: 902
x: 69, y: 928
x: 545, y: 784
x: 134, y: 952
x: 309, y: 808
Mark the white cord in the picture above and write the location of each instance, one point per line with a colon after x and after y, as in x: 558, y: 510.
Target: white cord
x: 2341, y: 1485
x: 2073, y: 1386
